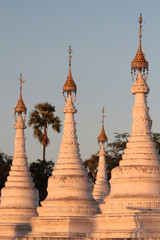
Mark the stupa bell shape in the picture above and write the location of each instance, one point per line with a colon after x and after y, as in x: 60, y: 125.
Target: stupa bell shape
x: 132, y: 209
x: 66, y: 212
x: 101, y: 187
x: 19, y: 198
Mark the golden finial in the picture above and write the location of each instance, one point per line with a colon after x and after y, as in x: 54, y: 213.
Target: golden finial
x: 102, y: 137
x: 69, y: 85
x: 20, y: 107
x: 21, y: 81
x: 139, y: 63
x: 70, y: 56
x: 140, y: 28
x: 103, y: 116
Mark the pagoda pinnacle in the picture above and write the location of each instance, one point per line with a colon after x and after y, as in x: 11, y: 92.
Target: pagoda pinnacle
x: 140, y: 30
x: 69, y: 85
x: 102, y: 137
x: 20, y: 107
x: 101, y: 187
x: 139, y: 63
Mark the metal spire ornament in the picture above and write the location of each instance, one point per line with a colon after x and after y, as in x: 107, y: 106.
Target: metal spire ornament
x: 70, y: 86
x: 139, y: 63
x: 20, y: 107
x: 102, y: 138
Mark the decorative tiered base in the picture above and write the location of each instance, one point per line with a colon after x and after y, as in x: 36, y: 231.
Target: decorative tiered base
x: 15, y: 222
x: 60, y: 228
x: 128, y: 219
x: 63, y: 219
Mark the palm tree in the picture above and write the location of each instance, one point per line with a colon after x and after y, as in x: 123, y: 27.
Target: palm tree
x: 40, y: 118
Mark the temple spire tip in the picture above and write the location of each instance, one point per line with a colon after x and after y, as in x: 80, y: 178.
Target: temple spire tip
x: 20, y: 107
x: 139, y: 63
x: 103, y: 116
x: 70, y: 56
x: 70, y: 85
x: 140, y: 31
x: 21, y: 82
x: 102, y: 137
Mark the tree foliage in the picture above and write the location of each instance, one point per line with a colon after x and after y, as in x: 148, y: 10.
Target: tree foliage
x: 40, y: 118
x: 41, y: 170
x: 156, y: 139
x: 115, y: 150
x: 91, y: 166
x: 5, y: 164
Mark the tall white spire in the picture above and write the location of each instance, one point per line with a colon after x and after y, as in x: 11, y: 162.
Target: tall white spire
x: 101, y: 187
x: 19, y: 198
x: 132, y: 209
x: 69, y: 206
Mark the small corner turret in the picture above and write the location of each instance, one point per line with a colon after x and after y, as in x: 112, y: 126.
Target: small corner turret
x: 101, y: 187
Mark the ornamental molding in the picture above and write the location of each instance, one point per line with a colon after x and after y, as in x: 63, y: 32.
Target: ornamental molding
x: 20, y: 151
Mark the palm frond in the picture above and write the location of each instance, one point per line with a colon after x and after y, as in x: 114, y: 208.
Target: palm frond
x: 40, y: 118
x: 56, y: 124
x: 37, y: 133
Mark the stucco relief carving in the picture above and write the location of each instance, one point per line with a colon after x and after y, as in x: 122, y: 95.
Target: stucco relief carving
x: 69, y: 136
x: 148, y: 170
x: 140, y: 119
x: 74, y: 209
x: 20, y: 148
x: 69, y: 110
x: 143, y: 204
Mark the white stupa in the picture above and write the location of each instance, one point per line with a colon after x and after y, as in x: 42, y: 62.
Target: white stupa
x: 19, y: 198
x: 101, y: 187
x: 132, y: 209
x: 66, y: 212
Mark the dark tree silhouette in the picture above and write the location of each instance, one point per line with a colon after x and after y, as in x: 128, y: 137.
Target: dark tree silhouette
x: 156, y: 139
x: 40, y: 118
x: 41, y: 170
x: 5, y: 164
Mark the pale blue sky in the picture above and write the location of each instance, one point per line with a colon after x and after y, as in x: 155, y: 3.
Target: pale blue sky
x: 35, y: 36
